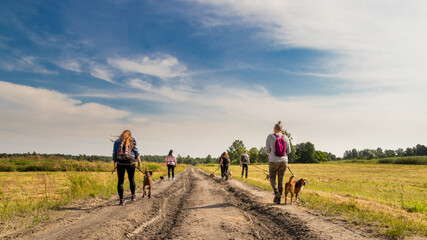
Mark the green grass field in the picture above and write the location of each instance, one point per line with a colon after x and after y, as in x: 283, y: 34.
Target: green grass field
x: 391, y: 199
x: 51, y: 164
x: 33, y: 195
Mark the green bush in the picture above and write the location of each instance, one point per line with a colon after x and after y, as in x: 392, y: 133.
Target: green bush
x: 414, y: 160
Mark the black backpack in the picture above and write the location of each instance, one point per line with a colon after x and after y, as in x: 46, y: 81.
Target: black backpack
x: 244, y: 158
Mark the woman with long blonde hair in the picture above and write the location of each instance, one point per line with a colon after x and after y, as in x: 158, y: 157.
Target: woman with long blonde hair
x: 125, y: 154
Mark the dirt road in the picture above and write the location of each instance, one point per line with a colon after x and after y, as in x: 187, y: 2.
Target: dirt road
x: 191, y: 207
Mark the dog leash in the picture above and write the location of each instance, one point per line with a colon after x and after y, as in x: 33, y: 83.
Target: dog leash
x: 292, y: 173
x: 216, y: 169
x: 260, y: 168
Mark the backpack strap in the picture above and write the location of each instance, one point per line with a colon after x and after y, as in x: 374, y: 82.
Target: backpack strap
x: 283, y: 136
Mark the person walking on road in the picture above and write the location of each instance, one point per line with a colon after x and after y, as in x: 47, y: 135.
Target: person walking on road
x: 125, y: 154
x: 244, y: 162
x: 171, y: 163
x: 277, y: 147
x: 224, y: 164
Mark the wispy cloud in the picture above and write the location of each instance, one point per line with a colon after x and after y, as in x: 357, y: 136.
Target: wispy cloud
x: 162, y: 66
x: 368, y: 43
x: 71, y: 65
x: 24, y: 64
x: 102, y: 73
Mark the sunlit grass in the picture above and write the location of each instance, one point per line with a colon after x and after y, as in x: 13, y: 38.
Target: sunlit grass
x: 36, y: 194
x: 389, y: 198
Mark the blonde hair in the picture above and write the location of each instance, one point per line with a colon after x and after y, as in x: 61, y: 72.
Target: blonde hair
x: 278, y: 126
x: 126, y: 138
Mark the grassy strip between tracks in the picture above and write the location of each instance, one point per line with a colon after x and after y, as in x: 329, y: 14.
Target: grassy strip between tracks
x: 27, y: 198
x: 391, y: 200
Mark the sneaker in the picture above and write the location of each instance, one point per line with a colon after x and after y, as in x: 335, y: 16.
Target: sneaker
x: 122, y: 202
x: 169, y: 179
x: 277, y: 198
x: 133, y: 198
x: 173, y: 178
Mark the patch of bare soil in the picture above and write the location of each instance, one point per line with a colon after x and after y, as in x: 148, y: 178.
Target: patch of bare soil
x: 191, y: 207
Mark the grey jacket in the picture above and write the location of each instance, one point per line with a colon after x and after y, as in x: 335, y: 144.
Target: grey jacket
x: 270, y: 148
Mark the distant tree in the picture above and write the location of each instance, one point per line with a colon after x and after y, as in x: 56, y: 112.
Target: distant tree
x: 263, y: 156
x: 354, y: 153
x: 400, y: 152
x: 305, y: 152
x: 366, y: 154
x: 330, y: 156
x: 235, y: 150
x: 209, y: 159
x: 253, y: 155
x: 347, y: 154
x: 389, y: 153
x: 320, y: 156
x: 409, y: 152
x: 379, y: 153
x: 420, y: 150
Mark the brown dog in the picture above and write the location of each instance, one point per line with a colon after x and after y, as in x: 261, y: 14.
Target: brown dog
x: 212, y: 175
x: 147, y: 182
x: 294, y: 187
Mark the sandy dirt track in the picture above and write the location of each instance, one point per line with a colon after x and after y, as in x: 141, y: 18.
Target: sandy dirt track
x: 191, y: 207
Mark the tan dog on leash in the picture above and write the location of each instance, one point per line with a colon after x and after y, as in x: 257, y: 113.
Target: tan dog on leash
x: 294, y: 187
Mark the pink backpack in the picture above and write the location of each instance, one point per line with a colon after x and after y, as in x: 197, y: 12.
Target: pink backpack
x: 280, y: 145
x: 124, y: 154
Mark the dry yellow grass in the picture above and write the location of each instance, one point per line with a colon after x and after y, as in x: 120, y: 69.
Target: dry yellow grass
x: 35, y: 194
x: 390, y: 198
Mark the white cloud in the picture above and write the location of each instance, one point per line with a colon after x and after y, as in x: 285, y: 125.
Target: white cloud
x: 379, y: 43
x: 162, y: 66
x: 102, y: 73
x: 71, y: 65
x: 24, y: 64
x: 217, y: 115
x: 49, y: 121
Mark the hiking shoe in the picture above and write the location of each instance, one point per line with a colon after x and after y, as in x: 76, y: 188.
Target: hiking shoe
x: 277, y: 198
x: 169, y: 179
x: 133, y: 198
x: 122, y: 202
x: 173, y: 178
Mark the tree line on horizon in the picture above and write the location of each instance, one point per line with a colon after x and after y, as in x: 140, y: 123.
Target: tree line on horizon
x: 418, y: 150
x: 301, y: 153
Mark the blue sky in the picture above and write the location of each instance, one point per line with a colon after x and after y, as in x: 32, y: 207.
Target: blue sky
x: 195, y: 75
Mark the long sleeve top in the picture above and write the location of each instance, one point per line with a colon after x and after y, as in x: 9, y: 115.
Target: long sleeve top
x: 171, y: 160
x: 271, y: 149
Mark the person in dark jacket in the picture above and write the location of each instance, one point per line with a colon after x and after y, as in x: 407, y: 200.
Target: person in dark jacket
x: 224, y: 163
